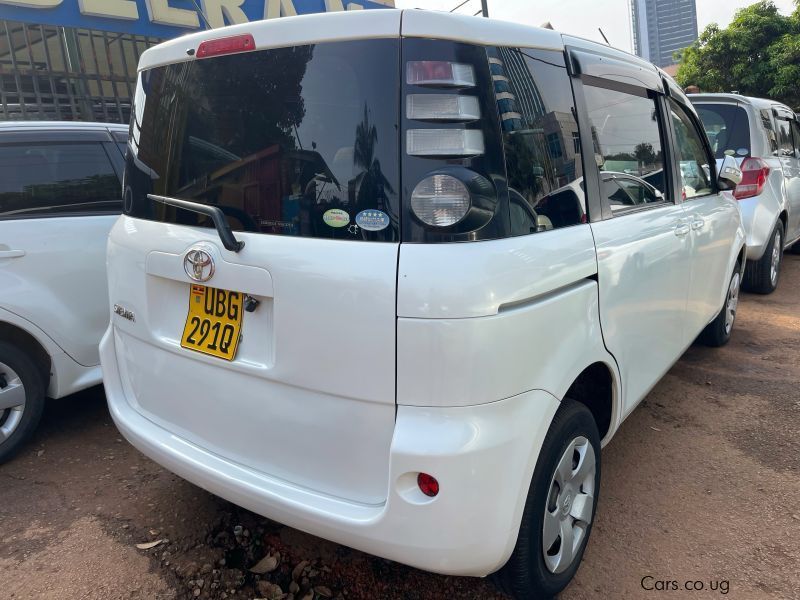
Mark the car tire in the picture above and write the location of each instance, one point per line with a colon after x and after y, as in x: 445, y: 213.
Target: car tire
x: 558, y: 491
x: 20, y: 381
x: 718, y: 332
x: 761, y: 276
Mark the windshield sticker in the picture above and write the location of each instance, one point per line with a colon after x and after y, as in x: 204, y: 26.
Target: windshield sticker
x: 742, y: 151
x: 336, y: 217
x: 372, y: 220
x: 729, y: 152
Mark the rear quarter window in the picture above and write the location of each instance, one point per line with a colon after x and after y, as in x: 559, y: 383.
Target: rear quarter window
x: 59, y: 179
x: 541, y: 139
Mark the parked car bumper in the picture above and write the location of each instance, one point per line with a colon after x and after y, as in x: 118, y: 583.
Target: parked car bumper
x: 483, y: 457
x: 758, y: 217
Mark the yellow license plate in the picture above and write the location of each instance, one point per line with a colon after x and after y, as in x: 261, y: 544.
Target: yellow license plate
x: 214, y: 323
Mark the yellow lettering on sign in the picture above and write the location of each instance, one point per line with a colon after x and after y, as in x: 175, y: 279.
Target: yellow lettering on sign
x: 32, y: 3
x: 279, y: 8
x: 115, y: 9
x: 216, y: 12
x: 162, y: 13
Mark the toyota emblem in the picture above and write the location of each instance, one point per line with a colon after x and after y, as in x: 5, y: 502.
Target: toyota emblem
x: 198, y: 265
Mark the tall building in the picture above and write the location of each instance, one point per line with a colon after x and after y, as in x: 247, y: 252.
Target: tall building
x: 662, y: 27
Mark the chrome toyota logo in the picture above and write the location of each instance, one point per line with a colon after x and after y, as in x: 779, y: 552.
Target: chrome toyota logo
x: 198, y: 265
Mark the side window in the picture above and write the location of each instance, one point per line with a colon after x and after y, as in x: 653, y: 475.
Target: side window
x: 39, y: 180
x: 796, y: 138
x: 540, y: 138
x: 627, y: 146
x: 766, y: 122
x: 694, y: 167
x: 785, y: 144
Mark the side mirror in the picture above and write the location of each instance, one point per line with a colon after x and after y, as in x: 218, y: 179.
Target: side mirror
x: 730, y: 175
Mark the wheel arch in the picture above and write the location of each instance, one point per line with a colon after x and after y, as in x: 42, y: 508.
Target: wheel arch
x: 784, y: 218
x: 27, y: 342
x: 597, y: 387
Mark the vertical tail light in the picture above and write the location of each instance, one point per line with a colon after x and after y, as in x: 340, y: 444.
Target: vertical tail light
x: 440, y: 200
x: 442, y: 107
x: 453, y: 160
x: 444, y: 142
x: 440, y: 73
x: 754, y: 177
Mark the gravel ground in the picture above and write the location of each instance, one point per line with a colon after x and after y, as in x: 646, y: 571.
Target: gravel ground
x: 700, y: 484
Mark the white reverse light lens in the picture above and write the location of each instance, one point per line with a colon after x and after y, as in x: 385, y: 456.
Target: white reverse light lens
x: 444, y: 142
x: 440, y: 200
x: 442, y: 107
x: 440, y: 73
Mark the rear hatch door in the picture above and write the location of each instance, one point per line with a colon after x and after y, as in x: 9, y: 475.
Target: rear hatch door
x: 298, y: 147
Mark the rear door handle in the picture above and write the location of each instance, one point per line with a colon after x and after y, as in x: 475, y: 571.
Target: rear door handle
x: 682, y: 230
x: 12, y: 253
x: 698, y: 224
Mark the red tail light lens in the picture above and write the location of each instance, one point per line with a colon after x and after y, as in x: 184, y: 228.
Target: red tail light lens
x: 438, y: 73
x: 754, y: 177
x: 227, y: 45
x: 428, y: 484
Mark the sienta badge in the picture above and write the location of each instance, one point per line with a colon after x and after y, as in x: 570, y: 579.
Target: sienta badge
x: 372, y: 220
x: 336, y: 217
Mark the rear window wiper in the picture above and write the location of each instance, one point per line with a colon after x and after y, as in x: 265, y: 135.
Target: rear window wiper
x: 216, y: 214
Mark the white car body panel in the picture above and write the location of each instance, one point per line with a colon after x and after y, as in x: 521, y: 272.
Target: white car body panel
x: 644, y: 269
x: 66, y: 376
x: 348, y: 397
x: 506, y: 272
x: 60, y: 282
x: 279, y: 33
x: 500, y: 439
x: 712, y: 218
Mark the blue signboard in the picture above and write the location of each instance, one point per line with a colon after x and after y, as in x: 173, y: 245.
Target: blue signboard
x: 166, y: 18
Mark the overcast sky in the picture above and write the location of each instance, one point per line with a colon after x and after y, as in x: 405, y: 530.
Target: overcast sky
x: 583, y: 17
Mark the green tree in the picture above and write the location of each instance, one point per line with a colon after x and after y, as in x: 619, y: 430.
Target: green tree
x: 758, y: 54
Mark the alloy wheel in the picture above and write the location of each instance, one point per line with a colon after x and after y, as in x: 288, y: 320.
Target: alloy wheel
x: 775, y: 263
x: 12, y: 401
x: 732, y: 302
x: 570, y: 505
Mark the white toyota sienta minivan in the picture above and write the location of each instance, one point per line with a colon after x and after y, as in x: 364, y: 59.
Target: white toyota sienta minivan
x: 393, y: 277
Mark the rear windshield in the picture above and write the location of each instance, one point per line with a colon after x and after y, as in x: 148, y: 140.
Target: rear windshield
x: 299, y: 141
x: 727, y: 127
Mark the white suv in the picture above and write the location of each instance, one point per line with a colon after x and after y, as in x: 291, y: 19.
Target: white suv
x: 764, y: 137
x: 374, y: 283
x: 60, y: 193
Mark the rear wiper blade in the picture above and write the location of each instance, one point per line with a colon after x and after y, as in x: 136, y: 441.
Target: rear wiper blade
x: 216, y: 214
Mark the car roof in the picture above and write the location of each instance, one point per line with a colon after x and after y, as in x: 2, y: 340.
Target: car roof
x: 738, y: 98
x: 60, y: 126
x: 376, y: 24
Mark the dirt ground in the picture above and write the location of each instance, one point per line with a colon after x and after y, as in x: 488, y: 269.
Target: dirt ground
x: 701, y: 484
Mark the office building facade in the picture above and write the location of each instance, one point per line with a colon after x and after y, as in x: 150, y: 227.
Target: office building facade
x: 663, y: 27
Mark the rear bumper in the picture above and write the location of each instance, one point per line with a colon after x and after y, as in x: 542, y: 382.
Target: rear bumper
x: 483, y: 457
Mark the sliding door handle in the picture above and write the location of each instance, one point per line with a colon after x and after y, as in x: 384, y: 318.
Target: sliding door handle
x: 12, y: 253
x: 682, y: 230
